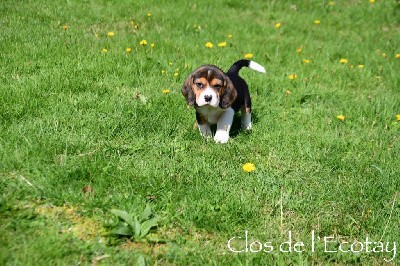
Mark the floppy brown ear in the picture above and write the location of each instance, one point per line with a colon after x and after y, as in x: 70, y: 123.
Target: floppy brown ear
x: 228, y: 95
x: 187, y: 91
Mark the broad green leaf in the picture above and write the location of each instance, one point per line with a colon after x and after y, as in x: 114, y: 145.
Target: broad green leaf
x: 122, y: 231
x: 146, y: 213
x: 147, y: 225
x: 136, y: 228
x: 124, y: 216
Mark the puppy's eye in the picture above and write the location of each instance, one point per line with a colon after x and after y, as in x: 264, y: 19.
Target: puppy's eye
x: 217, y: 86
x: 199, y: 85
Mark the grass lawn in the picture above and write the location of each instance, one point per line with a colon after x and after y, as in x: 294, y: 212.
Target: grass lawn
x: 96, y: 140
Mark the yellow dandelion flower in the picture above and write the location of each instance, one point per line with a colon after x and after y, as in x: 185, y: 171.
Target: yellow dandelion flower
x: 292, y: 76
x: 170, y: 63
x: 176, y: 74
x: 248, y: 167
x: 317, y: 22
x: 152, y: 45
x: 163, y: 72
x: 288, y: 92
x: 331, y: 3
x: 248, y: 56
x: 143, y: 42
x: 110, y: 34
x: 104, y: 50
x: 341, y: 118
x: 230, y: 36
x: 149, y: 14
x: 209, y: 45
x: 165, y: 91
x: 278, y: 25
x: 306, y: 61
x: 397, y: 56
x: 343, y: 60
x: 360, y: 66
x: 65, y: 27
x: 398, y: 117
x: 222, y: 44
x: 384, y: 55
x: 128, y: 50
x: 299, y: 50
x: 372, y: 1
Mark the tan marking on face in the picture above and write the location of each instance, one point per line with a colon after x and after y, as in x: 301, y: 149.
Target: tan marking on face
x: 201, y: 80
x: 196, y: 89
x: 217, y: 82
x: 213, y: 84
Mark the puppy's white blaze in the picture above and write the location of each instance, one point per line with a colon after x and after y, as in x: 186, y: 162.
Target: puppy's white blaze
x: 208, y: 92
x: 257, y: 67
x: 224, y: 126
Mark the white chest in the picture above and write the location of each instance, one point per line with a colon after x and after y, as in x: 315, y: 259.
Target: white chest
x: 211, y: 114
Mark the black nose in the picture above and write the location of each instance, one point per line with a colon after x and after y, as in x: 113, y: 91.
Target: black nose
x: 208, y: 98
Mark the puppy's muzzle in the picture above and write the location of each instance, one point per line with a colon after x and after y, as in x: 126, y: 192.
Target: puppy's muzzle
x: 207, y: 98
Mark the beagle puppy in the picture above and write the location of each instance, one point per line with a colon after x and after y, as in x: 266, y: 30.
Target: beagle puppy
x: 217, y: 96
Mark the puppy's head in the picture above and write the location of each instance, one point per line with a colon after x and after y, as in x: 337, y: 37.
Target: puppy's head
x: 208, y: 85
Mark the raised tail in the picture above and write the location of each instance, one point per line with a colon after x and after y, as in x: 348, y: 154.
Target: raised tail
x: 245, y: 63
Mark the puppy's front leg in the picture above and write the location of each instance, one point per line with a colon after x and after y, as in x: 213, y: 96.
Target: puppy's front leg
x: 224, y: 126
x: 205, y: 130
x: 203, y: 125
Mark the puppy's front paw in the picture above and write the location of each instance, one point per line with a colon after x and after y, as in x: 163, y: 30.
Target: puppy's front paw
x: 221, y: 136
x: 205, y: 131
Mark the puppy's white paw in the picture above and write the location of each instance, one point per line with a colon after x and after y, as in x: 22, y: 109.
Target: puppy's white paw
x: 221, y: 136
x: 205, y: 131
x: 247, y: 126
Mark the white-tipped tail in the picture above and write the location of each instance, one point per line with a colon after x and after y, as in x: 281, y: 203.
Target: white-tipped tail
x: 257, y: 67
